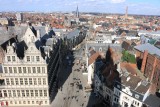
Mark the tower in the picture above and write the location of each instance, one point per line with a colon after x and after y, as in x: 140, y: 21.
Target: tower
x: 19, y: 17
x: 126, y: 15
x: 77, y: 12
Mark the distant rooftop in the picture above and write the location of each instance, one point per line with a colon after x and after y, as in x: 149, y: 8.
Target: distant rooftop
x: 72, y: 34
x: 151, y: 48
x: 152, y: 101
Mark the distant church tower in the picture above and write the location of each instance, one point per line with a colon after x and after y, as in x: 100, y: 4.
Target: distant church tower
x: 126, y: 14
x: 77, y: 12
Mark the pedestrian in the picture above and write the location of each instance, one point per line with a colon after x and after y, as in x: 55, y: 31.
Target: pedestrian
x: 82, y: 104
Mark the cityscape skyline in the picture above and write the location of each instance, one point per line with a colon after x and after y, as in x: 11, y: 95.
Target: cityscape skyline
x: 142, y: 7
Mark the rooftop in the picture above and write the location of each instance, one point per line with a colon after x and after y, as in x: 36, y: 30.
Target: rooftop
x: 152, y: 101
x: 151, y: 48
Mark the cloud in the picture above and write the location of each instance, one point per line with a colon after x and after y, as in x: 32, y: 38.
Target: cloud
x: 117, y: 1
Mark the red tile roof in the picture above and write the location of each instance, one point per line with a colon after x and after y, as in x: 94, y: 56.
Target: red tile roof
x: 93, y: 58
x: 129, y: 67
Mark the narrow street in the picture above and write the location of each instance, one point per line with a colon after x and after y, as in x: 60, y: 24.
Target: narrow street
x: 72, y: 82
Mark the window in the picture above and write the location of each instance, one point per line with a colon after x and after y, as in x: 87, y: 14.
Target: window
x: 28, y: 58
x: 0, y: 93
x: 45, y: 102
x: 21, y: 81
x: 100, y: 49
x: 8, y: 58
x: 44, y: 81
x: 36, y: 93
x: 24, y: 70
x: 16, y: 81
x: 23, y: 93
x: 12, y: 81
x: 45, y: 93
x: 29, y: 69
x: 30, y: 81
x: 43, y: 69
x: 18, y: 93
x: 34, y: 69
x: 24, y: 102
x: 27, y: 93
x: 5, y: 93
x: 10, y: 69
x: 32, y: 58
x: 32, y: 102
x: 35, y: 81
x: 19, y: 69
x: 9, y: 93
x: 15, y: 69
x: 37, y: 58
x: 19, y: 102
x: 11, y: 102
x: 26, y: 81
x: 32, y: 94
x: 40, y: 93
x: 137, y: 96
x: 28, y: 102
x: 5, y: 70
x: 38, y: 70
x: 14, y: 93
x: 15, y: 102
x: 39, y: 81
x: 7, y: 81
x: 13, y: 58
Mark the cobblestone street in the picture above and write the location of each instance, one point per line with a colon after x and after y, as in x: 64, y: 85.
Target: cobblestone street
x: 71, y: 85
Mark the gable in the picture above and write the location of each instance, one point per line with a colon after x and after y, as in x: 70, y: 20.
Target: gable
x: 29, y: 36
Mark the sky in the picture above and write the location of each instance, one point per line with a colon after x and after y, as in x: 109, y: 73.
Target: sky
x: 144, y: 7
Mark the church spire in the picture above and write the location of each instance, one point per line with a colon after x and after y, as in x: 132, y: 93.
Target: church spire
x: 77, y: 12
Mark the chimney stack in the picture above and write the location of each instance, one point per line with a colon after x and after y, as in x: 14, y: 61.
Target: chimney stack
x: 145, y: 54
x: 38, y: 34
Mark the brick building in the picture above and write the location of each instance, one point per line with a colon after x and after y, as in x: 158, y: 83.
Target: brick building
x: 150, y: 62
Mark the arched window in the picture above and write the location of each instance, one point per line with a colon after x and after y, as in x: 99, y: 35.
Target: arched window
x: 100, y: 49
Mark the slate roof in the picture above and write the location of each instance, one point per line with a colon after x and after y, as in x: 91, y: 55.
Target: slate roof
x: 104, y: 46
x: 11, y: 32
x: 73, y: 34
x: 21, y: 46
x: 133, y: 82
x: 152, y: 101
x: 157, y: 44
x: 151, y: 48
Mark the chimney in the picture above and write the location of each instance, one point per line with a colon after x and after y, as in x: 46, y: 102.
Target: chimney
x: 145, y: 54
x: 38, y: 34
x: 128, y: 78
x: 153, y: 69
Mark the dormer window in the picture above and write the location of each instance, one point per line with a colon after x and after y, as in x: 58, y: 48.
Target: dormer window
x: 37, y: 58
x: 13, y: 58
x: 100, y: 49
x: 8, y: 58
x: 28, y: 58
x: 137, y: 96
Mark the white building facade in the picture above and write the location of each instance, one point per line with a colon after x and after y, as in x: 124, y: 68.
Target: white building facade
x: 26, y: 79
